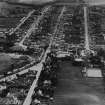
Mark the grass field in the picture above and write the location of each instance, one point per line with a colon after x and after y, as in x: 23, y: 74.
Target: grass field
x: 74, y: 89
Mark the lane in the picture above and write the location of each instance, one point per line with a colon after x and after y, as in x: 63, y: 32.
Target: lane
x: 73, y: 89
x: 40, y: 65
x: 35, y: 24
x: 86, y: 29
x: 56, y: 27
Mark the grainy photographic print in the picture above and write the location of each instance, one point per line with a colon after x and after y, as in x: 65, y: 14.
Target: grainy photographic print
x: 52, y: 52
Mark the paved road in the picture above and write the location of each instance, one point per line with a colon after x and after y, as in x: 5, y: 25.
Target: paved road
x: 22, y: 22
x: 35, y: 24
x: 34, y: 85
x: 73, y: 89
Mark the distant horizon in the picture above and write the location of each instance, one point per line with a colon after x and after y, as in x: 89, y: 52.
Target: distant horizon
x: 42, y: 2
x: 46, y: 1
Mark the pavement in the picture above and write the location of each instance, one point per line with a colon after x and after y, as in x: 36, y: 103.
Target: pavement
x: 74, y: 89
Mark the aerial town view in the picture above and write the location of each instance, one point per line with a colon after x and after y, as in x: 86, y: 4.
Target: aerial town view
x: 52, y: 52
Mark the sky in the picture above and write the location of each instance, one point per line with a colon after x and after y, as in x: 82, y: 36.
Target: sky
x: 45, y: 1
x: 30, y: 1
